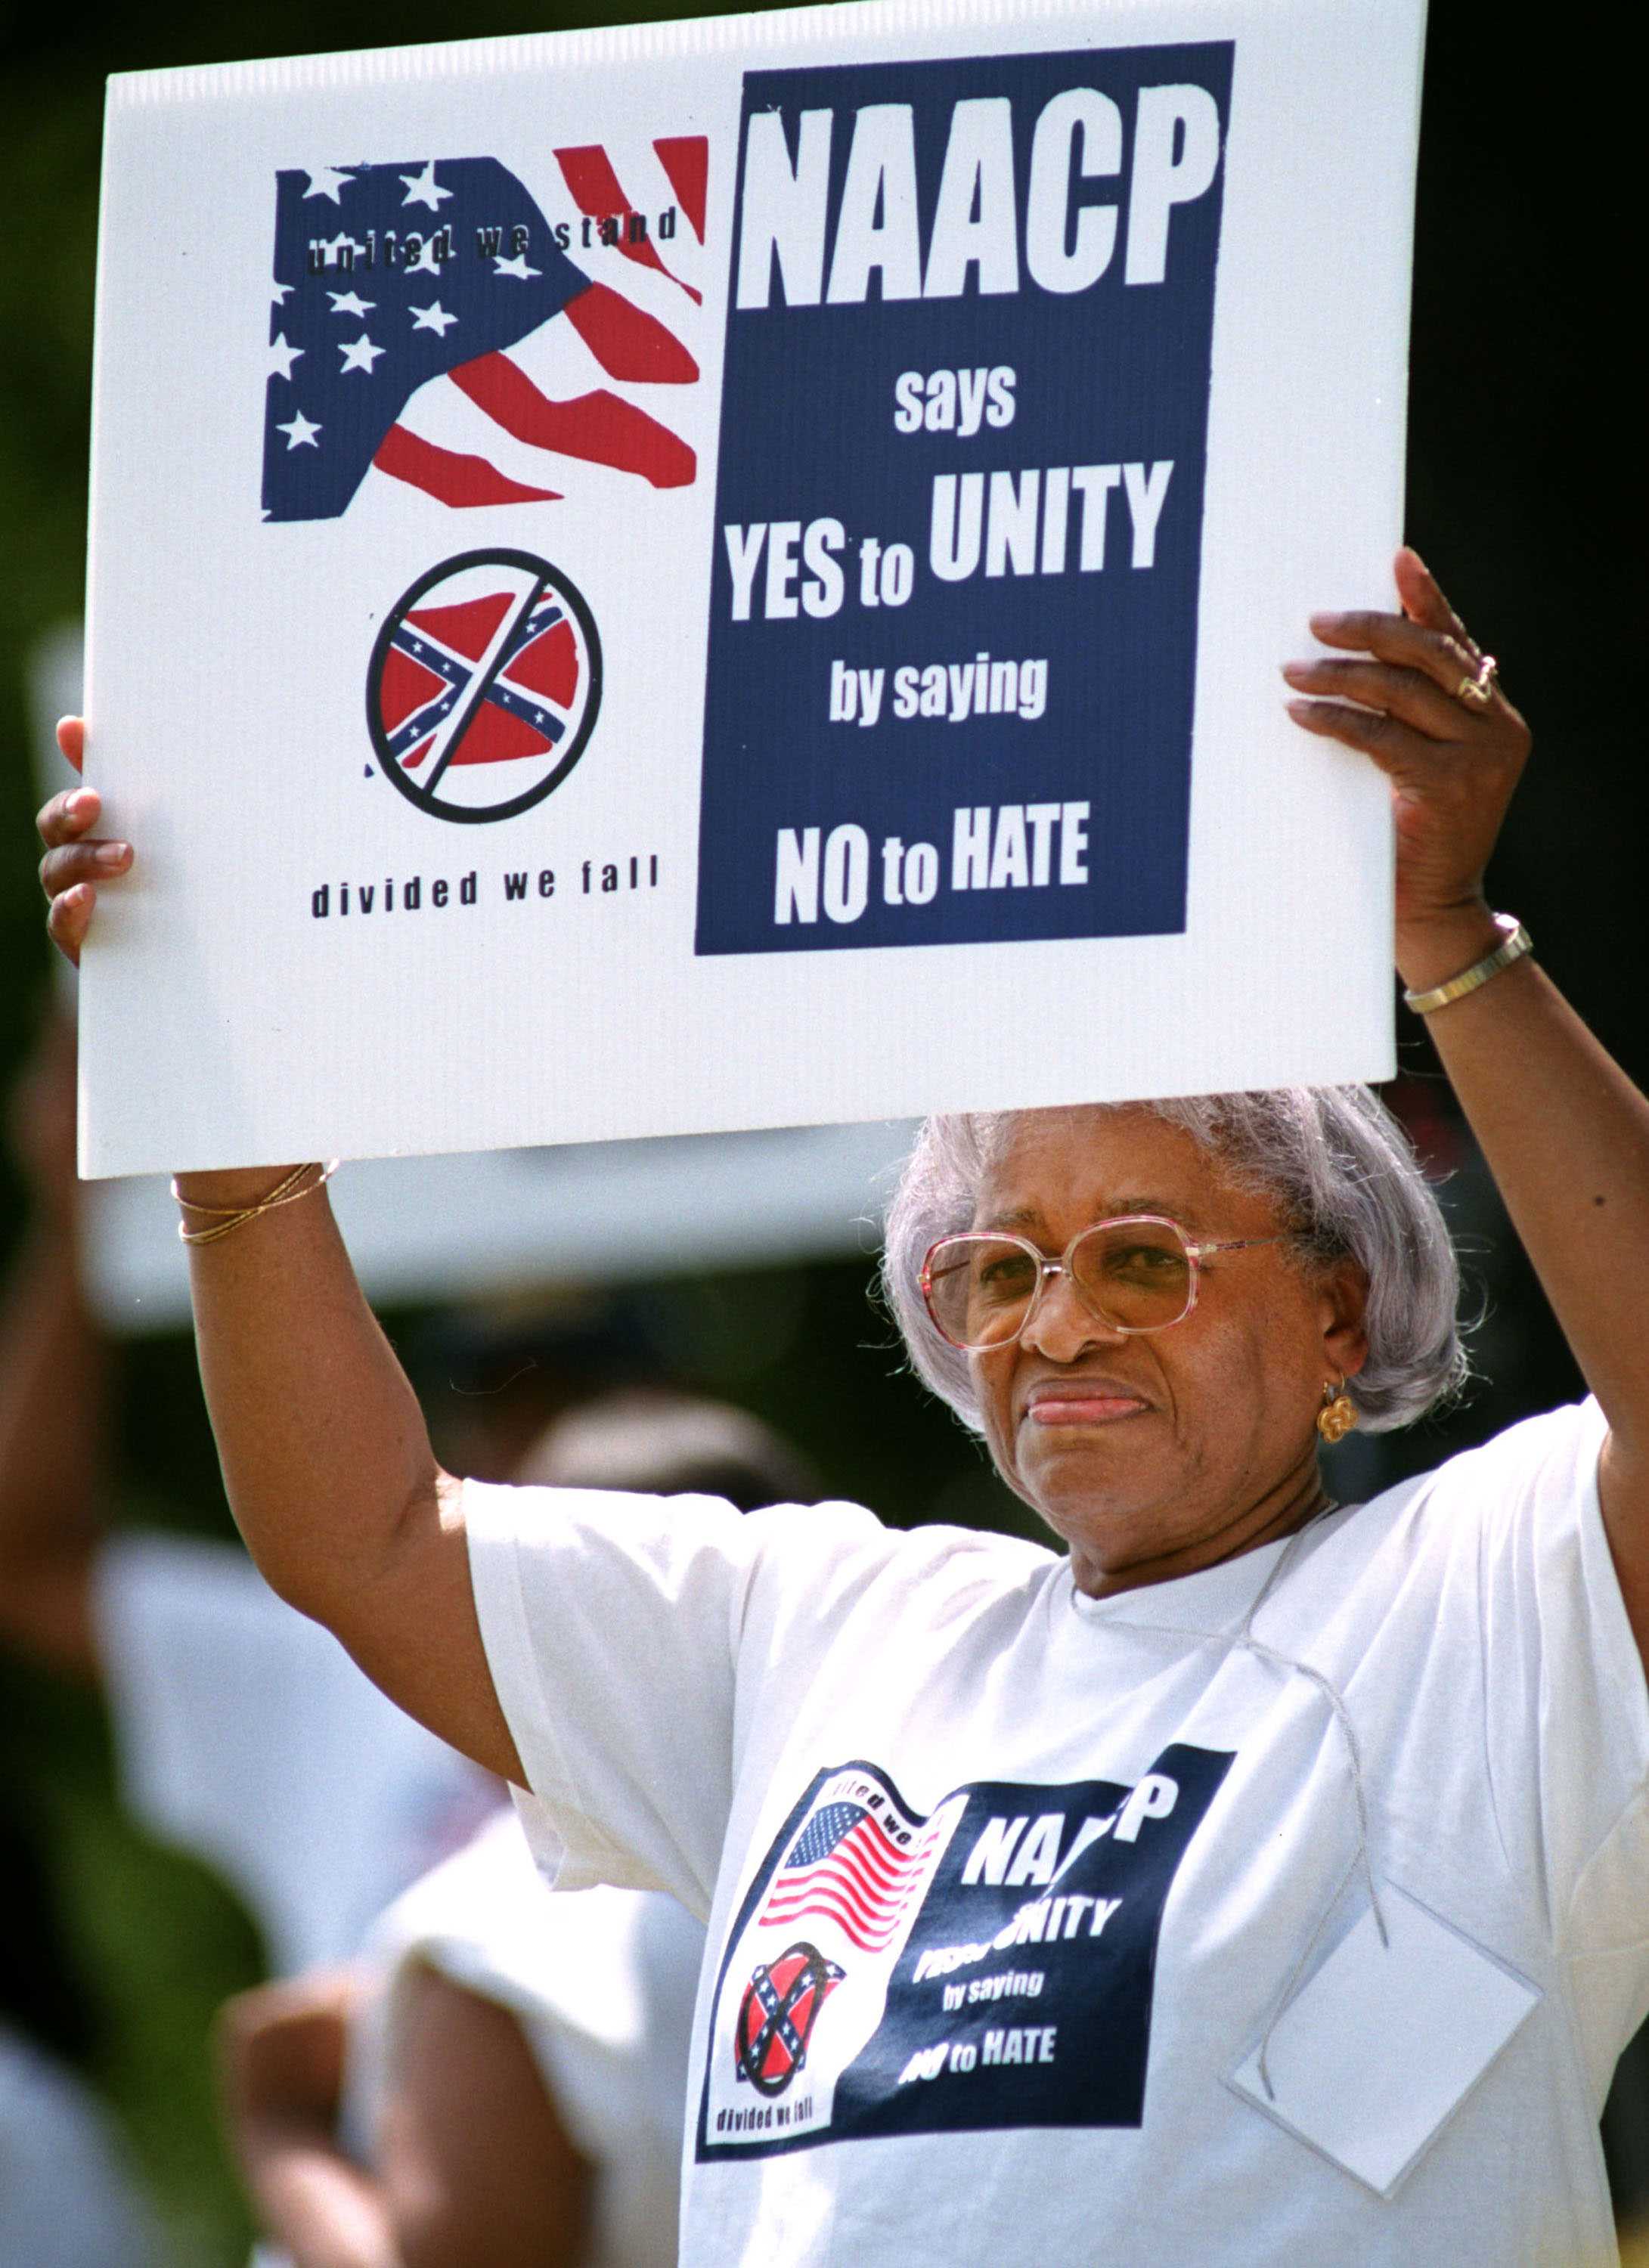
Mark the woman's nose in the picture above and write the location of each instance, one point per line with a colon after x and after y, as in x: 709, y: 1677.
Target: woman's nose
x: 1064, y: 1324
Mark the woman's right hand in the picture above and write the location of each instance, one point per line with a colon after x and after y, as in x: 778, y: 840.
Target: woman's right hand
x: 76, y: 861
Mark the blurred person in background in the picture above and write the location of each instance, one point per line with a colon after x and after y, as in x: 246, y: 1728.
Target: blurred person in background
x: 500, y: 2081
x: 241, y: 1734
x: 205, y: 1672
x: 150, y: 1937
x: 68, y: 2199
x: 499, y: 1374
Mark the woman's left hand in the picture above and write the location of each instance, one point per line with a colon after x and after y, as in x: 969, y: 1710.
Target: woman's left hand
x: 1452, y: 762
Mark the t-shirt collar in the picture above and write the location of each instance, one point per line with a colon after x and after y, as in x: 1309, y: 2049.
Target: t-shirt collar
x: 1213, y: 1599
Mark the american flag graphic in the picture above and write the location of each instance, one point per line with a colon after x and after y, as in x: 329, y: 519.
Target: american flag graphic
x: 426, y: 327
x: 846, y: 1865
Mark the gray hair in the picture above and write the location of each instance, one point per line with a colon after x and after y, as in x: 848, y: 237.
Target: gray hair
x: 1341, y: 1171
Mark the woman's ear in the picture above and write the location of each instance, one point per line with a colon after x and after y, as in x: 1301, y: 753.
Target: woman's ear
x: 1343, y: 1307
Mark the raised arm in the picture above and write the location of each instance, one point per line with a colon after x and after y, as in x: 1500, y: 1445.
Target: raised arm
x: 328, y: 1463
x: 1564, y: 1132
x: 326, y: 1458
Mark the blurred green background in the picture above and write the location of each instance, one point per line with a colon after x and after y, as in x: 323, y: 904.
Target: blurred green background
x: 1523, y: 495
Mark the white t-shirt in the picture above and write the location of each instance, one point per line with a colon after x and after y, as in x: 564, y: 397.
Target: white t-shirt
x: 602, y: 1984
x: 876, y: 1762
x: 245, y: 1734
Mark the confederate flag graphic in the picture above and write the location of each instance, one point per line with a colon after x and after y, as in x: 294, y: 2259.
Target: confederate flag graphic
x: 484, y: 685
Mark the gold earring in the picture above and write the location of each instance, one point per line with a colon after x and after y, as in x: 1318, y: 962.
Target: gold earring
x: 1338, y: 1413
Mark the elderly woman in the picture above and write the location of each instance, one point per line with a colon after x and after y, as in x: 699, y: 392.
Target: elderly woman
x: 1255, y: 1880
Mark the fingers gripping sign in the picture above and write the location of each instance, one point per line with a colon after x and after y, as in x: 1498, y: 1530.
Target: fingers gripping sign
x: 1416, y: 693
x: 76, y: 861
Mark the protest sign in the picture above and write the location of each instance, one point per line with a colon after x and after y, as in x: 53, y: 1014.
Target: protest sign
x: 732, y: 574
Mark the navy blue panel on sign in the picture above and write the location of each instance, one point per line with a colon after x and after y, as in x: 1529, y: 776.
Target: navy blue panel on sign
x: 953, y: 642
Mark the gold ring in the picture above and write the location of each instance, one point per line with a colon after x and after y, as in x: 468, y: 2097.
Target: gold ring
x: 1476, y: 687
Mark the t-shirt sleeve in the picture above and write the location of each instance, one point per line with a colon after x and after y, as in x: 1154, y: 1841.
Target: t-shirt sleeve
x: 1566, y: 1704
x: 613, y: 1625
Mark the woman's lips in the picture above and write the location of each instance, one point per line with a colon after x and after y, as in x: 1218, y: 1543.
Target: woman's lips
x: 1085, y: 1404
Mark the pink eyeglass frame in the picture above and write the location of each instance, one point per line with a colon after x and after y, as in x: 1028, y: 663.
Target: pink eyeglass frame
x: 1195, y: 1252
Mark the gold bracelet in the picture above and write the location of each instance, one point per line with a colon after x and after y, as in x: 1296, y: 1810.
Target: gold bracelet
x: 226, y: 1219
x: 1515, y: 941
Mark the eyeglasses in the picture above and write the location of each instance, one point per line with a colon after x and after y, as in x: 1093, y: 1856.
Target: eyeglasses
x: 1136, y: 1273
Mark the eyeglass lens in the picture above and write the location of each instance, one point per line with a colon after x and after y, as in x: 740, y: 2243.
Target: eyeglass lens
x: 1133, y: 1275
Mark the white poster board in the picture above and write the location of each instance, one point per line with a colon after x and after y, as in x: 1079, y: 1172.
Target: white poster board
x: 733, y: 575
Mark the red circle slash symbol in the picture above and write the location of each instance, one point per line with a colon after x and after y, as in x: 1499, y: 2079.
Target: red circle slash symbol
x: 778, y: 2014
x: 484, y: 685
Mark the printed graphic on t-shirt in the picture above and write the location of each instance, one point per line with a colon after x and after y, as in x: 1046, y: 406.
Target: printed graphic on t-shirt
x: 987, y: 1965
